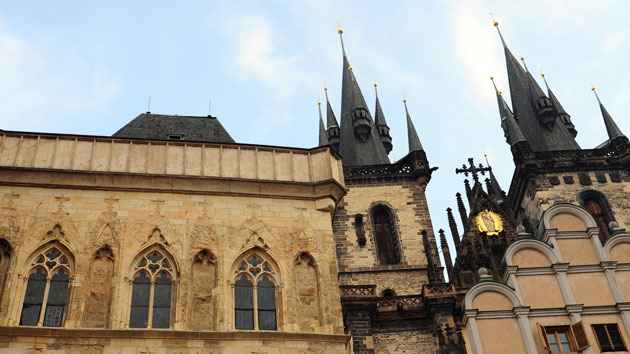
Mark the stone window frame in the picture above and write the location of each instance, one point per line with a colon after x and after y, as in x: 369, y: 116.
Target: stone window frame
x: 395, y: 233
x: 172, y: 274
x: 273, y: 274
x: 33, y: 264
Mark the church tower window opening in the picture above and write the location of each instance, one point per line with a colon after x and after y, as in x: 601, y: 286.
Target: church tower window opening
x: 47, y: 289
x: 385, y: 235
x: 255, y: 294
x: 152, y: 290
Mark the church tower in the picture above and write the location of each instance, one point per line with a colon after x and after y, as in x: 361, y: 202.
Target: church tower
x: 392, y: 283
x: 550, y: 165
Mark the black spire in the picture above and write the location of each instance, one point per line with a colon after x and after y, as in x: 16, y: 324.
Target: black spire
x: 614, y: 133
x: 381, y: 123
x: 561, y: 114
x: 412, y: 135
x: 323, y: 138
x: 533, y: 109
x: 462, y: 209
x: 332, y: 128
x: 360, y: 142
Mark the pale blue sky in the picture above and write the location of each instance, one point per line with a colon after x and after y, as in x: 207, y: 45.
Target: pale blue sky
x: 88, y: 67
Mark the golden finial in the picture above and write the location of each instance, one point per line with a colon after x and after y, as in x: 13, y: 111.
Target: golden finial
x: 495, y: 23
x: 318, y: 101
x: 325, y: 88
x: 403, y: 94
x: 375, y: 84
x: 500, y: 93
x: 350, y: 67
x: 491, y: 77
x: 339, y: 30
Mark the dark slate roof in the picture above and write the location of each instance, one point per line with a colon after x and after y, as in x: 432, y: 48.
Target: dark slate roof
x: 523, y: 88
x: 206, y: 129
x: 354, y: 151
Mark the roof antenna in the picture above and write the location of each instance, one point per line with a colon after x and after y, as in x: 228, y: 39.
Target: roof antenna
x: 209, y: 106
x: 149, y: 105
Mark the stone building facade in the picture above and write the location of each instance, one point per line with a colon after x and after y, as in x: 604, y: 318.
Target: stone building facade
x: 113, y: 245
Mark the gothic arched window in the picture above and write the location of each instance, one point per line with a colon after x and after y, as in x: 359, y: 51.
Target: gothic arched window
x: 596, y: 205
x: 255, y: 294
x: 385, y: 235
x: 47, y: 289
x: 152, y: 288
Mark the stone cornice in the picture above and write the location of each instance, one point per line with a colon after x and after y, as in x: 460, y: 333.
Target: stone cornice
x: 169, y: 334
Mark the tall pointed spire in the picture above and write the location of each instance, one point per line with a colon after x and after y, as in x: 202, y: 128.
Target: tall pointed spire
x: 533, y: 109
x: 561, y: 114
x: 412, y: 135
x: 323, y: 137
x: 381, y: 123
x: 611, y: 127
x: 360, y: 143
x: 332, y: 128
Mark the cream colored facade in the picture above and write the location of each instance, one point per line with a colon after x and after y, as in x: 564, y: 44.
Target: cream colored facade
x: 105, y: 203
x: 563, y: 277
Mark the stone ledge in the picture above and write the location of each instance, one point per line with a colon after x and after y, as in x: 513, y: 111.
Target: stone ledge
x: 168, y: 334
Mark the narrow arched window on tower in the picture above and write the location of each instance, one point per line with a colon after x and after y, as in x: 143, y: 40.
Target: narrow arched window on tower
x: 385, y: 236
x: 597, y: 211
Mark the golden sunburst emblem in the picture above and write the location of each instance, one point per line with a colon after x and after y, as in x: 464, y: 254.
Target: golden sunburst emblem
x: 489, y: 222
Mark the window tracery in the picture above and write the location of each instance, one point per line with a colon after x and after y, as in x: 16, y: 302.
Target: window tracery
x: 47, y: 289
x: 255, y: 294
x: 151, y: 293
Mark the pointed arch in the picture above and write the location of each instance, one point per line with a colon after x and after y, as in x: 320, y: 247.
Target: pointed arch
x: 307, y: 286
x: 385, y: 234
x: 47, y: 290
x: 100, y: 286
x: 203, y: 312
x: 154, y: 273
x: 257, y: 296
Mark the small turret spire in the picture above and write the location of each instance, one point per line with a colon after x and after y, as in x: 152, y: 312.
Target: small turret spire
x: 323, y: 137
x: 611, y: 127
x: 381, y: 123
x: 332, y: 128
x: 412, y: 135
x: 561, y: 114
x: 494, y: 187
x: 511, y: 129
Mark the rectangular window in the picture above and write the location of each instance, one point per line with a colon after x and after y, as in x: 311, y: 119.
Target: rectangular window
x: 564, y: 339
x: 608, y: 337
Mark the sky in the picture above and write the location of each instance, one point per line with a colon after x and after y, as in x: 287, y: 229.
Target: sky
x: 88, y: 67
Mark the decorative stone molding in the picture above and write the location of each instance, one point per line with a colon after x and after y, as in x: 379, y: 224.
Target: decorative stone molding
x: 552, y: 254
